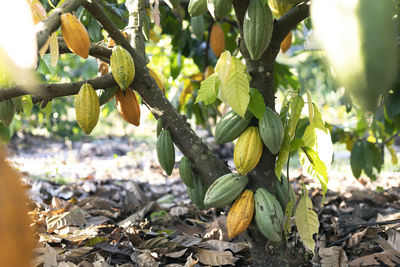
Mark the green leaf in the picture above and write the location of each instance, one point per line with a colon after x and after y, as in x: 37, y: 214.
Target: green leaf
x: 236, y: 89
x: 47, y: 110
x: 306, y: 222
x: 257, y: 104
x: 314, y: 167
x: 357, y: 160
x: 208, y: 91
x: 94, y: 30
x: 296, y: 144
x: 5, y: 135
x: 365, y: 156
x: 223, y: 66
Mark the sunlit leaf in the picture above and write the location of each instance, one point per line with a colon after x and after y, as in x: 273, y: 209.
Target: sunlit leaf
x: 54, y: 52
x: 223, y: 66
x: 236, y: 89
x: 306, y: 222
x: 208, y: 90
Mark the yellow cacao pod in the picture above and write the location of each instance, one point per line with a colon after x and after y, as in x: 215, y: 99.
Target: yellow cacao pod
x: 122, y: 67
x: 128, y: 106
x: 240, y: 214
x: 248, y: 150
x: 75, y: 35
x: 286, y: 43
x: 157, y: 79
x: 217, y: 40
x: 87, y: 108
x: 14, y: 220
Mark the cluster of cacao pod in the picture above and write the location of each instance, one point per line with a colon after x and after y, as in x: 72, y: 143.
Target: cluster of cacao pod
x: 267, y: 208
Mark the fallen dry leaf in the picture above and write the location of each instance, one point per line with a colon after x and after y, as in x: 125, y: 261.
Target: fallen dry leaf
x: 214, y: 258
x: 333, y: 256
x: 390, y: 258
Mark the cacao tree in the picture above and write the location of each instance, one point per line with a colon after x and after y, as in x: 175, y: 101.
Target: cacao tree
x: 224, y: 52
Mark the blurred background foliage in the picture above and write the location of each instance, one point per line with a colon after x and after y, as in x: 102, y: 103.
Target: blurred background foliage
x: 181, y: 58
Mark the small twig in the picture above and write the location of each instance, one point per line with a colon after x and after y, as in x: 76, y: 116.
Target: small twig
x: 390, y: 138
x: 356, y: 226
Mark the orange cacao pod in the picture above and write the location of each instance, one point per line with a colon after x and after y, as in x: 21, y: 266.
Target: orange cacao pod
x: 217, y: 40
x: 111, y: 42
x: 128, y: 106
x: 157, y: 79
x: 240, y: 214
x: 16, y: 237
x: 75, y: 35
x: 286, y: 43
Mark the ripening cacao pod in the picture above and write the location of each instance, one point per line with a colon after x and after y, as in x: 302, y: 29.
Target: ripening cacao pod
x: 225, y: 189
x: 122, y: 67
x: 286, y: 43
x: 219, y: 8
x: 106, y: 95
x: 365, y: 60
x: 111, y: 42
x: 271, y: 130
x: 186, y: 173
x: 208, y: 72
x: 279, y: 7
x: 38, y: 11
x: 240, y: 214
x: 197, y: 26
x: 284, y: 192
x: 75, y: 35
x: 257, y: 28
x: 217, y: 40
x: 157, y: 79
x: 248, y: 150
x: 197, y: 7
x: 128, y: 106
x: 269, y: 215
x: 231, y: 126
x: 165, y: 151
x: 196, y: 193
x: 87, y: 108
x: 7, y: 112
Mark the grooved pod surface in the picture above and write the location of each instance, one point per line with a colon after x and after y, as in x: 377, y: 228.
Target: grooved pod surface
x: 122, y: 67
x: 219, y: 8
x: 271, y: 130
x: 196, y: 193
x: 185, y: 170
x: 257, y: 28
x: 240, y: 214
x: 231, y: 126
x: 248, y: 150
x: 197, y: 7
x: 165, y: 151
x: 225, y: 189
x: 217, y: 40
x: 87, y: 108
x: 269, y: 214
x: 75, y: 35
x: 128, y: 106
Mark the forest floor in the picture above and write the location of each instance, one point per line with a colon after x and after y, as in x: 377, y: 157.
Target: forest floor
x: 108, y: 203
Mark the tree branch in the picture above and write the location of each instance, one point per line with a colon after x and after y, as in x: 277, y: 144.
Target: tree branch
x: 289, y: 21
x: 205, y: 163
x: 53, y: 90
x: 45, y: 28
x: 95, y: 50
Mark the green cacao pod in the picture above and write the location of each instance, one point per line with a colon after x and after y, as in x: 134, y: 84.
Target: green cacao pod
x: 7, y: 112
x: 284, y: 191
x: 159, y: 126
x: 231, y: 126
x: 219, y: 8
x: 106, y: 95
x: 87, y: 108
x: 269, y: 215
x: 165, y: 151
x: 271, y: 130
x: 257, y: 28
x: 248, y: 150
x: 122, y: 67
x: 361, y: 51
x: 186, y: 173
x: 197, y: 24
x: 197, y: 7
x: 196, y: 193
x: 225, y: 189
